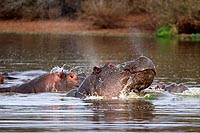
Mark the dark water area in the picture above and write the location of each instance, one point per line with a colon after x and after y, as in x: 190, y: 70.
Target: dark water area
x: 28, y: 56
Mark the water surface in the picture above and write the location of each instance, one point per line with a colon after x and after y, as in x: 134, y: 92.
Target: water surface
x: 28, y: 56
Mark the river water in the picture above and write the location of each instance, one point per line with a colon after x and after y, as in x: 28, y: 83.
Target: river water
x: 28, y: 56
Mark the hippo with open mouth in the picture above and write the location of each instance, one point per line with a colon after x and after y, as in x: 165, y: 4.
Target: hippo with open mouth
x: 49, y: 82
x: 110, y: 80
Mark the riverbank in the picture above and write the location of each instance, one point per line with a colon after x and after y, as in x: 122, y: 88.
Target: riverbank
x: 81, y: 28
x: 67, y: 27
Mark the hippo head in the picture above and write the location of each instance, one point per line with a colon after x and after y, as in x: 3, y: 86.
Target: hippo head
x: 160, y: 86
x: 67, y: 81
x: 111, y: 79
x: 50, y: 82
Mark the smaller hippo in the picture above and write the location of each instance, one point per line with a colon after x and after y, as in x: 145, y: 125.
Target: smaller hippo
x: 173, y: 88
x: 50, y: 82
x: 6, y: 76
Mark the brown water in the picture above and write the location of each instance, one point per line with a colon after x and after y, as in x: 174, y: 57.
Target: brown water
x: 27, y: 56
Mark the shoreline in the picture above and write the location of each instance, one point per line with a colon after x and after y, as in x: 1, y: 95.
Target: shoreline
x: 63, y: 27
x: 78, y: 28
x: 82, y: 34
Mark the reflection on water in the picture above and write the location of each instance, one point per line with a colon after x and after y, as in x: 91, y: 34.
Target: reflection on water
x: 175, y: 61
x: 126, y: 111
x: 59, y: 113
x: 29, y: 52
x: 28, y: 56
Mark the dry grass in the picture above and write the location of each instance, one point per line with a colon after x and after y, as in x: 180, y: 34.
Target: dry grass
x: 71, y: 27
x: 38, y: 9
x: 41, y: 26
x: 105, y: 13
x: 167, y: 12
x: 112, y: 13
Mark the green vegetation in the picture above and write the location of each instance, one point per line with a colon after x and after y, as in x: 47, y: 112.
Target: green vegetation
x: 195, y: 37
x: 166, y: 32
x: 150, y: 97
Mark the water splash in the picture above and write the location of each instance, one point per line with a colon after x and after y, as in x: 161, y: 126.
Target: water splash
x: 122, y: 96
x: 137, y: 48
x: 89, y: 52
x: 58, y: 69
x: 94, y: 98
x: 193, y: 92
x: 131, y: 95
x: 92, y: 56
x: 78, y: 69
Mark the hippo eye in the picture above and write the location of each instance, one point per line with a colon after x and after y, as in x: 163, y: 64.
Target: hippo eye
x: 96, y: 70
x: 71, y: 76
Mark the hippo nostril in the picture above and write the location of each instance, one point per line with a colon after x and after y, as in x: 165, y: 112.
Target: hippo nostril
x: 111, y: 65
x: 77, y: 85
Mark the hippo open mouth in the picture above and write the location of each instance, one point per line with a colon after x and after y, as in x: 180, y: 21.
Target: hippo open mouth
x: 140, y: 75
x: 111, y: 79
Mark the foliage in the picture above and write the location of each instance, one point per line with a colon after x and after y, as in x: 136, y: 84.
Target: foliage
x: 109, y: 14
x: 168, y: 11
x: 43, y: 9
x: 105, y: 13
x: 195, y: 37
x: 166, y: 31
x: 150, y: 97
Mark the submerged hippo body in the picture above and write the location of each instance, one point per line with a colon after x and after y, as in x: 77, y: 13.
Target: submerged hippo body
x: 4, y: 76
x: 110, y: 80
x: 50, y: 82
x: 173, y: 88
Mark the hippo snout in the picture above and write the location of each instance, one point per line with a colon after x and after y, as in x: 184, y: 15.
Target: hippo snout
x: 142, y: 63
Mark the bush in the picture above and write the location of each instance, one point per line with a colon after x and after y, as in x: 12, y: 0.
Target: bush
x: 43, y: 9
x: 109, y: 13
x: 188, y: 25
x: 105, y: 13
x: 167, y: 12
x: 195, y: 37
x: 10, y: 9
x: 166, y: 31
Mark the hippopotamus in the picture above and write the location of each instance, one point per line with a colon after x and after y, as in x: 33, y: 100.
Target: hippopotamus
x: 49, y: 82
x: 1, y: 79
x: 173, y: 88
x: 6, y: 76
x: 110, y: 80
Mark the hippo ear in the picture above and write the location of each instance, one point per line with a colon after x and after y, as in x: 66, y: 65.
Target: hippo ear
x: 62, y: 75
x: 96, y: 70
